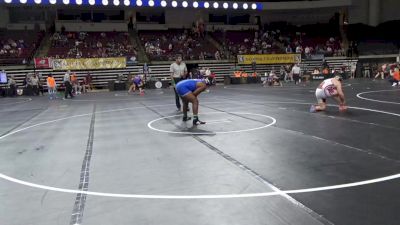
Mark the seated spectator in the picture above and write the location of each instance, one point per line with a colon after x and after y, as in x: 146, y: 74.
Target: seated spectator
x: 201, y: 56
x: 272, y: 80
x: 316, y: 71
x: 75, y: 84
x: 84, y: 85
x: 217, y: 55
x: 289, y: 49
x: 207, y: 72
x: 299, y: 49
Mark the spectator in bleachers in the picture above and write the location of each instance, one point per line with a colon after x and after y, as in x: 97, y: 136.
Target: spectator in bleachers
x: 217, y: 55
x: 316, y: 71
x: 289, y: 49
x: 88, y: 45
x: 201, y: 56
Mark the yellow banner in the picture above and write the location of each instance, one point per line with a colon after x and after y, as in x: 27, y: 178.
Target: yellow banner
x: 89, y: 63
x: 269, y: 59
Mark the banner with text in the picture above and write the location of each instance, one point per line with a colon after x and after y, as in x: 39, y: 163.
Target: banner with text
x: 43, y: 63
x: 269, y: 59
x: 89, y: 63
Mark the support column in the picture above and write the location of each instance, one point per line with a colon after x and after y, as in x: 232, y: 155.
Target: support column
x: 374, y: 12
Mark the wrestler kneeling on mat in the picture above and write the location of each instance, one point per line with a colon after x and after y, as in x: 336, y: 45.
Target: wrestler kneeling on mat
x: 189, y: 90
x: 137, y: 83
x: 329, y: 88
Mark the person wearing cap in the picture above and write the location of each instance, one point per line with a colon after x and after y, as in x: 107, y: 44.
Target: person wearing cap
x: 329, y: 88
x: 188, y: 90
x: 178, y: 73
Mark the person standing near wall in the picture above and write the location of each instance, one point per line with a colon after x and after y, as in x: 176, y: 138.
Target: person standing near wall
x: 178, y: 72
x: 89, y: 80
x: 367, y: 70
x: 353, y: 68
x: 35, y: 84
x: 146, y: 72
x: 12, y: 85
x: 254, y: 66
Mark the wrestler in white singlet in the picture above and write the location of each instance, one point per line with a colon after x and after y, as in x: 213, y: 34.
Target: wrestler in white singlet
x: 325, y: 90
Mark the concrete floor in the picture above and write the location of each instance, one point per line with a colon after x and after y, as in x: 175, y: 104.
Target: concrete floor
x: 63, y: 144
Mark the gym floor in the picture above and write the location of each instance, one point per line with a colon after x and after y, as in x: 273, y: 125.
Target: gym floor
x: 118, y: 159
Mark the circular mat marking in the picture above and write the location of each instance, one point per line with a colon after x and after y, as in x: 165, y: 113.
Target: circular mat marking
x: 212, y: 196
x: 17, y: 102
x: 150, y: 125
x: 375, y: 100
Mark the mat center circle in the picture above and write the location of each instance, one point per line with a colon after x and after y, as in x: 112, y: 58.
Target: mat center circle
x: 216, y: 123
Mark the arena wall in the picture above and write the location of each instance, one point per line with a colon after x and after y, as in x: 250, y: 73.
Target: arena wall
x: 92, y: 27
x: 4, y: 17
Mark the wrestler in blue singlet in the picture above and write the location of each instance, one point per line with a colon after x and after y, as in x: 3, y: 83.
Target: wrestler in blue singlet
x: 187, y: 86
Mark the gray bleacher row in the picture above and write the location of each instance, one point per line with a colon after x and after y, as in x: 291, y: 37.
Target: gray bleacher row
x: 102, y: 77
x: 307, y: 67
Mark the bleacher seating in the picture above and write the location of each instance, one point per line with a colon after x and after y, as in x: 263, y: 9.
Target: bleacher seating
x: 244, y: 42
x: 377, y: 47
x: 164, y: 45
x: 18, y: 47
x: 91, y: 45
x: 101, y: 78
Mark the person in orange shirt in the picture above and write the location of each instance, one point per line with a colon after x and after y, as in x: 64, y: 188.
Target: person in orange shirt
x: 51, y: 86
x: 395, y: 80
x: 237, y: 73
x: 75, y: 84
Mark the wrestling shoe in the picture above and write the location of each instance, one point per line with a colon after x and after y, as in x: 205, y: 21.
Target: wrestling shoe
x: 186, y: 118
x: 313, y: 109
x: 198, y: 122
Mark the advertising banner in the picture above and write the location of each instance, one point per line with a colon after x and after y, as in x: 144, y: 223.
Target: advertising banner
x: 43, y: 63
x: 269, y: 59
x: 89, y: 63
